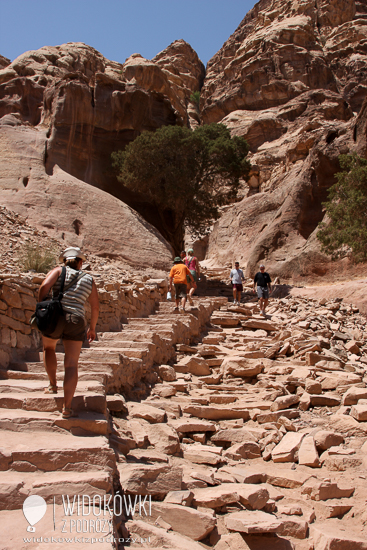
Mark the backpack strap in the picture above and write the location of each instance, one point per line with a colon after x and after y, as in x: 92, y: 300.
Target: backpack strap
x: 75, y: 280
x: 69, y: 285
x: 62, y: 282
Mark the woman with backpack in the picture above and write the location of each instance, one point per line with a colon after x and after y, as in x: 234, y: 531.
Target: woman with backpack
x: 192, y: 264
x: 76, y: 287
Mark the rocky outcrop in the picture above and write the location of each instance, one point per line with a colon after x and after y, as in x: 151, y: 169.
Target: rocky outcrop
x: 92, y: 106
x: 291, y: 81
x: 83, y: 107
x: 4, y: 61
x: 69, y: 209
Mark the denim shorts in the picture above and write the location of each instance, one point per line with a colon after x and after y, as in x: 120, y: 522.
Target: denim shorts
x: 69, y: 327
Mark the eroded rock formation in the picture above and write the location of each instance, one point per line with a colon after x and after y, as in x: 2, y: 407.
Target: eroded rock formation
x: 69, y: 107
x: 291, y: 80
x: 69, y: 209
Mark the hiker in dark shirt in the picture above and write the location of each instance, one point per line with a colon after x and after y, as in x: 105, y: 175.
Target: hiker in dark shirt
x: 262, y: 280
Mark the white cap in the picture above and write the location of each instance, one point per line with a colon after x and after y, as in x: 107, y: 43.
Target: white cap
x: 70, y: 253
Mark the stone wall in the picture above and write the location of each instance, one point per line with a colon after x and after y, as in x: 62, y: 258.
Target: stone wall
x: 18, y: 298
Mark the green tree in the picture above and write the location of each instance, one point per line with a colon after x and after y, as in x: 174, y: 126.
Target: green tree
x: 347, y: 211
x: 185, y: 175
x: 195, y: 98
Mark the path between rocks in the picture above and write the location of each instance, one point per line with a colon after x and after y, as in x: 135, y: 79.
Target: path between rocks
x: 243, y: 432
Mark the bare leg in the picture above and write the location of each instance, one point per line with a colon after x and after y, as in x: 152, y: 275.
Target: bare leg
x: 238, y: 296
x: 72, y: 352
x: 183, y: 302
x: 265, y: 304
x: 234, y: 294
x: 49, y: 358
x: 261, y: 303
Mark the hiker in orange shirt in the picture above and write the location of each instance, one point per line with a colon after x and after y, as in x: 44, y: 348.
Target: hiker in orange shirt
x: 178, y: 275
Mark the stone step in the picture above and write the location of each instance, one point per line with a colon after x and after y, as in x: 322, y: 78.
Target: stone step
x: 146, y: 322
x: 127, y: 335
x: 93, y: 354
x: 57, y: 451
x: 86, y: 423
x: 57, y: 536
x: 91, y: 367
x: 117, y: 343
x: 39, y: 401
x: 19, y: 485
x: 17, y: 386
x: 9, y: 374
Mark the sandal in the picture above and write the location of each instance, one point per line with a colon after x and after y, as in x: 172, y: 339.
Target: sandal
x: 68, y: 413
x: 50, y: 389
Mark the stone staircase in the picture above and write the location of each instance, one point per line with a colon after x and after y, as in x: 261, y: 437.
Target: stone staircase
x: 41, y: 453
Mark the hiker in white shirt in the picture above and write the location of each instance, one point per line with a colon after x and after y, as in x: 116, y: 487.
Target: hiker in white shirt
x: 237, y: 278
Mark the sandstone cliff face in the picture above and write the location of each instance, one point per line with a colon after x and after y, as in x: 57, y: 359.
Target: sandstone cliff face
x: 75, y: 108
x: 4, y: 61
x: 69, y: 209
x: 92, y: 106
x: 291, y: 80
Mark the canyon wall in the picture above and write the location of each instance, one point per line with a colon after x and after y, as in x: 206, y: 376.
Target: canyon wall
x: 63, y: 111
x: 291, y: 80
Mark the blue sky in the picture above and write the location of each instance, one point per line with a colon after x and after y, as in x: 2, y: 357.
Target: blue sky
x: 119, y: 28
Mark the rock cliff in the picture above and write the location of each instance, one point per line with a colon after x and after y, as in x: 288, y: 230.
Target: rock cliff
x: 291, y: 80
x: 65, y: 109
x: 69, y: 209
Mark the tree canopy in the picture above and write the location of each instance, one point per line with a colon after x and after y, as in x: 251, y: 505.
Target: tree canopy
x: 186, y: 175
x: 346, y: 209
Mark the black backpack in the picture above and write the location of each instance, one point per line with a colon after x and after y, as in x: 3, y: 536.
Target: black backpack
x: 48, y: 313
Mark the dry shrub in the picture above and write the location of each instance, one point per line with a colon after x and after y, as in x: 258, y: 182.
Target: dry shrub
x: 33, y: 257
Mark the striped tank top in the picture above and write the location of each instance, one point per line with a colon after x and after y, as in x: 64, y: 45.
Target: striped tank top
x: 75, y: 297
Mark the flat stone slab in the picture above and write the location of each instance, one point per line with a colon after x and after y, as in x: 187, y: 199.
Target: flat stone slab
x: 252, y: 522
x: 56, y: 451
x: 307, y: 454
x: 325, y: 490
x: 353, y: 395
x: 149, y: 479
x: 85, y: 423
x: 147, y: 412
x: 239, y: 366
x: 217, y: 412
x: 327, y: 537
x: 238, y: 435
x: 188, y: 425
x: 140, y: 530
x: 215, y: 497
x: 284, y: 402
x: 286, y: 449
x: 259, y: 324
x: 17, y: 486
x: 325, y: 400
x: 264, y: 418
x: 359, y: 412
x: 184, y: 520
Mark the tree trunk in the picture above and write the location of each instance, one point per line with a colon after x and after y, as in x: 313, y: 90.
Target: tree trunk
x: 172, y: 229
